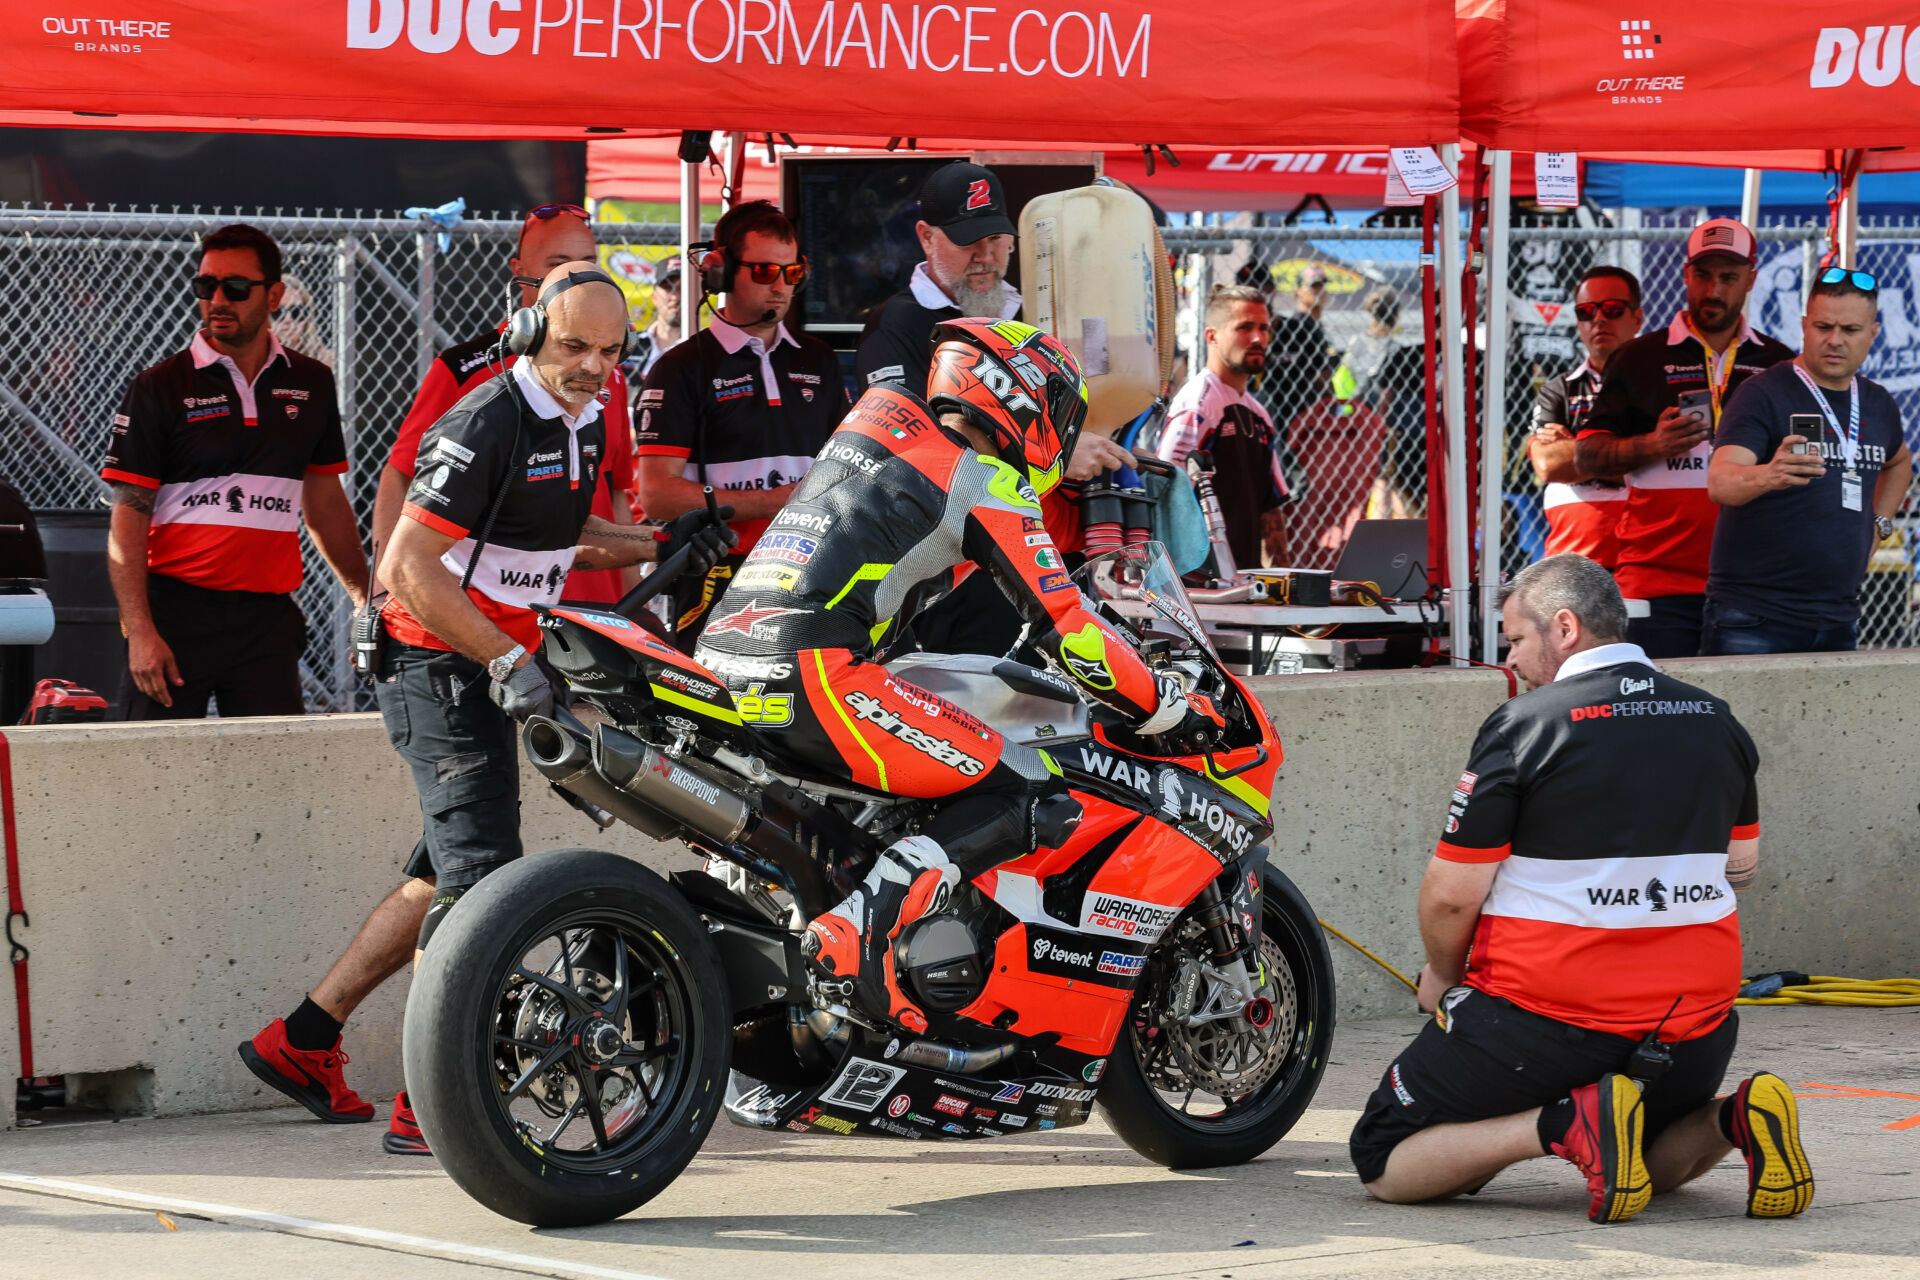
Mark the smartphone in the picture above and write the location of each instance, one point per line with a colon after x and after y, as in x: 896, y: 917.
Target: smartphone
x: 1810, y: 425
x: 1697, y: 403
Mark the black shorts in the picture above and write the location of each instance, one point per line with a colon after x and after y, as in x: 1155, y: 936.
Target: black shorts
x: 1496, y: 1059
x: 240, y: 649
x: 465, y: 758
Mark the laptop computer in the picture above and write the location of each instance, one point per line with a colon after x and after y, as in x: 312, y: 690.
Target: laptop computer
x: 1389, y: 553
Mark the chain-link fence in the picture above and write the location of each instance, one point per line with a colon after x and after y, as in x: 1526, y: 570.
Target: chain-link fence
x: 1345, y: 382
x: 1550, y: 256
x: 94, y: 297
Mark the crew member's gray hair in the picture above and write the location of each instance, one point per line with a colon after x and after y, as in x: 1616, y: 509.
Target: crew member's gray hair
x: 1573, y: 583
x: 1225, y: 297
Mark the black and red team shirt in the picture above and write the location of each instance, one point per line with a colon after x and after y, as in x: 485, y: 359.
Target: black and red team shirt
x: 1582, y: 519
x: 755, y: 415
x: 1608, y: 798
x: 1666, y: 531
x: 554, y: 470
x: 458, y: 370
x: 227, y: 459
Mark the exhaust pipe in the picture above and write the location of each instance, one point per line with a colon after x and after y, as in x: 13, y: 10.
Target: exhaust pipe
x: 677, y: 788
x: 962, y: 1062
x: 565, y: 757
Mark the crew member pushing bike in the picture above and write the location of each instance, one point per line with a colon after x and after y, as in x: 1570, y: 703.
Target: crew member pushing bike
x: 906, y: 499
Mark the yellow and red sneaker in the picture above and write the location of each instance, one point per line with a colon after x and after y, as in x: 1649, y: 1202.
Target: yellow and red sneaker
x: 1766, y: 1128
x: 311, y: 1077
x: 1603, y: 1142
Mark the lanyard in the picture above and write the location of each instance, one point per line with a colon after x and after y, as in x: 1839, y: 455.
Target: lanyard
x: 1850, y: 438
x: 1718, y: 376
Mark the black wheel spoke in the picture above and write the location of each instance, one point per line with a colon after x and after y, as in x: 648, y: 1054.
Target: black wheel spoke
x: 590, y: 1094
x: 572, y: 1113
x: 546, y: 1063
x: 636, y: 1055
x: 517, y: 1043
x: 616, y: 1004
x: 566, y: 957
x: 575, y: 1002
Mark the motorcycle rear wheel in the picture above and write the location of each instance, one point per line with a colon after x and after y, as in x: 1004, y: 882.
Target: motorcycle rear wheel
x: 1167, y: 1129
x: 567, y: 1038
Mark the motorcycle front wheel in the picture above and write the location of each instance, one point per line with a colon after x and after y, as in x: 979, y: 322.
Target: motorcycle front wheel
x: 1221, y: 1092
x: 567, y: 1038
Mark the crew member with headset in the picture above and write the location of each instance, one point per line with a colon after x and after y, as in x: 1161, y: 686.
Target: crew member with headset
x: 496, y: 516
x: 549, y: 235
x: 742, y: 406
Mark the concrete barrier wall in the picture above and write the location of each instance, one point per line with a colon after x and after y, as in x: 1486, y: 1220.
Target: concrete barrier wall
x: 189, y: 882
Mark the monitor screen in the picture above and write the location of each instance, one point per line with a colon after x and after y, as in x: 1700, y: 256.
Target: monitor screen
x: 855, y: 217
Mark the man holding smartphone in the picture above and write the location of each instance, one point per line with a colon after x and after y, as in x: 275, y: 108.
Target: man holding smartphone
x: 1810, y: 465
x: 1652, y: 425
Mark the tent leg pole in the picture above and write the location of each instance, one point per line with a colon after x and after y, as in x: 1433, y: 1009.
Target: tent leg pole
x: 1455, y: 409
x: 689, y: 236
x: 1850, y: 220
x: 1493, y: 432
x: 1750, y: 199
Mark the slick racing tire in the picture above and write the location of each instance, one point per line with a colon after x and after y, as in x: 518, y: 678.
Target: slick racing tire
x: 567, y: 1038
x: 1190, y: 1098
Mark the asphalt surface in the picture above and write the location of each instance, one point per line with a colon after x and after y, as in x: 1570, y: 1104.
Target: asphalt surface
x: 277, y: 1196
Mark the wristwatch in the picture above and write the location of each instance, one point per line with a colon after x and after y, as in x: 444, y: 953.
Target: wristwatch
x: 1883, y: 525
x: 502, y: 667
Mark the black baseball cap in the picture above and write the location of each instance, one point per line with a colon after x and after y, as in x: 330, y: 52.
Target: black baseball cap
x: 965, y: 201
x: 666, y: 275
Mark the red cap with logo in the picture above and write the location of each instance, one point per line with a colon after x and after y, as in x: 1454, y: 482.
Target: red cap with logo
x: 1723, y: 236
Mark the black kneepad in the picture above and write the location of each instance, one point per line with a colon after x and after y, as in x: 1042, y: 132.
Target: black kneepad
x: 443, y: 903
x: 1055, y: 815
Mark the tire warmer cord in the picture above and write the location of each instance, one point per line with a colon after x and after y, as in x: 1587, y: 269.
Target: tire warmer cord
x: 16, y: 910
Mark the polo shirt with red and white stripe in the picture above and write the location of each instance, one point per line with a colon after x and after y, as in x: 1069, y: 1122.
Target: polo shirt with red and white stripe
x: 1666, y: 530
x: 1608, y: 798
x: 226, y: 458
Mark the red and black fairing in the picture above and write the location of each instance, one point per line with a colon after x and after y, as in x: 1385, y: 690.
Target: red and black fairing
x: 635, y: 675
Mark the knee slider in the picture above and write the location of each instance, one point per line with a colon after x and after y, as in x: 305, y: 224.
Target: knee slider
x: 443, y: 903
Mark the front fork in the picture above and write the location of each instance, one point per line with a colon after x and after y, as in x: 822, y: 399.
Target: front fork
x: 1231, y: 974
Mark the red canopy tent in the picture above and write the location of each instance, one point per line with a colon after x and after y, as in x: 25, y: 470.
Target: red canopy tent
x: 1765, y: 84
x: 1119, y: 75
x: 1207, y: 179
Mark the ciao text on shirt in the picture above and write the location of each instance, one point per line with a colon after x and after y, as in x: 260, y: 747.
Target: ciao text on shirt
x: 871, y: 35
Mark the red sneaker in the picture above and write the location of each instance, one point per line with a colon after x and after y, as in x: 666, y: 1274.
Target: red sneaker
x: 1604, y: 1143
x: 403, y: 1136
x: 1766, y: 1128
x: 311, y: 1077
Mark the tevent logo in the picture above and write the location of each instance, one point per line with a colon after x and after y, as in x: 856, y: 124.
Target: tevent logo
x: 1637, y: 38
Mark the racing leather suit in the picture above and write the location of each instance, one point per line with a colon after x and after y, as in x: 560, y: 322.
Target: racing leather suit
x: 896, y: 511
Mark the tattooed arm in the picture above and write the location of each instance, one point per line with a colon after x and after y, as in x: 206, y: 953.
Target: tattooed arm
x: 149, y: 658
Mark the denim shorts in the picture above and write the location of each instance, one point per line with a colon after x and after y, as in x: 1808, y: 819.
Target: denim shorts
x: 465, y: 757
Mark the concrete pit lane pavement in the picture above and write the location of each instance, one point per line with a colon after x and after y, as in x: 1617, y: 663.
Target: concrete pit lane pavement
x: 277, y: 1194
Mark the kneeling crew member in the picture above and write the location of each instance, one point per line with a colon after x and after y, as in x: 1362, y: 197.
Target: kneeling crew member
x: 458, y: 672
x: 907, y: 498
x: 1580, y: 928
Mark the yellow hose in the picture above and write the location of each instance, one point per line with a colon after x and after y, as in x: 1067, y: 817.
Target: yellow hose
x: 1882, y: 993
x: 1411, y: 985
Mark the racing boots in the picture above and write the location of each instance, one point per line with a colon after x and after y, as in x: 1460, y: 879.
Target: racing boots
x: 311, y: 1077
x: 852, y: 943
x: 1603, y: 1142
x: 1765, y: 1124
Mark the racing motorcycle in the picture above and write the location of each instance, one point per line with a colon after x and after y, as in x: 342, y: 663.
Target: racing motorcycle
x: 580, y: 1021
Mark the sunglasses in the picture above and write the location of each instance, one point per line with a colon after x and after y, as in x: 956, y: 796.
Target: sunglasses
x: 546, y: 211
x: 1611, y: 308
x: 768, y: 272
x: 1861, y: 280
x: 237, y: 288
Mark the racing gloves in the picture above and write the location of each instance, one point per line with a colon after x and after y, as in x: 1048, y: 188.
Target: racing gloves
x: 525, y: 692
x: 696, y: 529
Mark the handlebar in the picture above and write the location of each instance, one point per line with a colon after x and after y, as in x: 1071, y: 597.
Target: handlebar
x: 667, y: 570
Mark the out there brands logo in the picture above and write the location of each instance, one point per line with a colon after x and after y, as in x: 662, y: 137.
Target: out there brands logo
x: 871, y: 35
x: 1639, y: 44
x: 1875, y: 56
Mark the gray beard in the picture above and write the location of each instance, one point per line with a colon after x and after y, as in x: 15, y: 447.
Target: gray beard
x: 976, y: 302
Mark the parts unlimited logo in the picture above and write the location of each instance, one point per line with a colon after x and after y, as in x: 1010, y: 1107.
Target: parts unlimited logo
x: 1639, y: 44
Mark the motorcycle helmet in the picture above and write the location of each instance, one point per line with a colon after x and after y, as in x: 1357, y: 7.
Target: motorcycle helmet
x: 1016, y: 383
